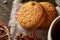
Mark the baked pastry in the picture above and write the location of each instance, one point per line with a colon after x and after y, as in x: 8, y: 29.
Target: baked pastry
x: 51, y: 14
x: 31, y: 15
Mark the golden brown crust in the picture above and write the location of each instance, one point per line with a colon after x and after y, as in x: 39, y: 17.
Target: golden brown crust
x: 51, y: 14
x: 30, y: 15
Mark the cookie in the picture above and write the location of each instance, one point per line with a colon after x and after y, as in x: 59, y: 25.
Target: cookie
x: 51, y: 14
x: 31, y: 15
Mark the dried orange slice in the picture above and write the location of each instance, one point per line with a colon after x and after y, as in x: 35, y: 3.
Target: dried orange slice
x: 4, y: 35
x: 2, y: 25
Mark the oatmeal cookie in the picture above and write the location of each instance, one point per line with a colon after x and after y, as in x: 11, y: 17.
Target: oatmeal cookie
x: 51, y: 14
x: 31, y: 15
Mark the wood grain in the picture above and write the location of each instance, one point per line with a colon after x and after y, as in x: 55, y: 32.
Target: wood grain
x: 5, y: 10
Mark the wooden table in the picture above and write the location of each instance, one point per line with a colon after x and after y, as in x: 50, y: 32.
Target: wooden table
x: 5, y: 10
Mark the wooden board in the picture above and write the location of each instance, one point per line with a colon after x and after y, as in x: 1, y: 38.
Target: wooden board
x: 5, y: 10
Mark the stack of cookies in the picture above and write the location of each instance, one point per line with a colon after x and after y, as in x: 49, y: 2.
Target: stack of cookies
x: 33, y: 15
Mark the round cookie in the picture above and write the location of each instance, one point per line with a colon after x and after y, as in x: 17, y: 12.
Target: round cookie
x: 31, y: 15
x: 51, y: 14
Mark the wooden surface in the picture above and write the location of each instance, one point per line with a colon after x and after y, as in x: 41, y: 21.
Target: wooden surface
x: 5, y: 10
